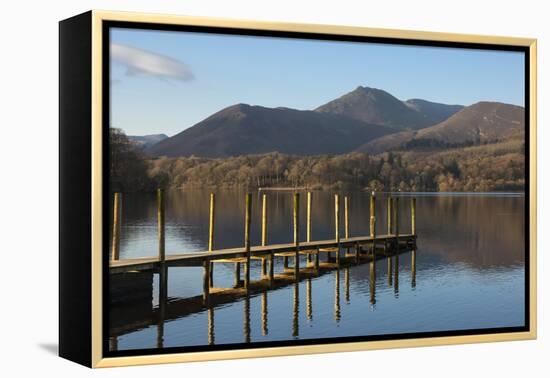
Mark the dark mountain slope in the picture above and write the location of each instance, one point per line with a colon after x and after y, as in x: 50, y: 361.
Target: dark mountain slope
x: 243, y: 129
x: 483, y: 122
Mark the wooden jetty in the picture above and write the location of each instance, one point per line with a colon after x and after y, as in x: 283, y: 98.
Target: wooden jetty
x: 365, y: 247
x: 124, y: 320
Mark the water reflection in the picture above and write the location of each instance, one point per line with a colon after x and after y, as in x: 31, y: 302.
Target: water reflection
x: 465, y: 264
x: 168, y: 309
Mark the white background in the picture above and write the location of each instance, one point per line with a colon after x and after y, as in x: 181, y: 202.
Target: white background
x: 29, y: 174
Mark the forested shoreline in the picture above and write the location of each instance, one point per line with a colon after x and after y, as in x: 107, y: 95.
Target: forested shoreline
x: 492, y: 167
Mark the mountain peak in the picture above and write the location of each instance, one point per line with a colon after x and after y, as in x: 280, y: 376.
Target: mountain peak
x: 376, y: 106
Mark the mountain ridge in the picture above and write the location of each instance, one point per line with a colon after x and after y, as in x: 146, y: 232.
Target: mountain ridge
x: 243, y: 129
x: 373, y: 105
x: 482, y: 122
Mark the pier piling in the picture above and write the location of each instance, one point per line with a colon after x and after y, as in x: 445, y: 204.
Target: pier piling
x: 211, y: 226
x: 161, y: 225
x: 247, y: 240
x: 297, y: 235
x: 337, y: 227
x: 264, y: 231
x: 115, y: 248
x: 373, y: 223
x: 413, y: 216
x: 308, y: 223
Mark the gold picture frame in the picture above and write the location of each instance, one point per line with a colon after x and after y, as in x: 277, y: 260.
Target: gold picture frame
x: 92, y: 25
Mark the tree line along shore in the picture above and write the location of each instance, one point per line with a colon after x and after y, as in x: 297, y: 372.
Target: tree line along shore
x: 475, y: 168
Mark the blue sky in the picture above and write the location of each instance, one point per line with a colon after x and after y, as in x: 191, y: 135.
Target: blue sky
x: 165, y: 82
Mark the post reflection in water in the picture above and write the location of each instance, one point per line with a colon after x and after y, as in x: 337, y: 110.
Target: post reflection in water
x: 211, y: 332
x: 372, y: 282
x: 163, y: 297
x: 396, y: 276
x: 413, y: 268
x: 296, y: 311
x: 390, y: 271
x: 393, y: 280
x: 246, y: 319
x: 265, y: 330
x: 337, y: 314
x: 346, y: 284
x: 309, y: 306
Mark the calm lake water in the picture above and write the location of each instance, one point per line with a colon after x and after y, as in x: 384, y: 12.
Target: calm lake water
x: 469, y: 271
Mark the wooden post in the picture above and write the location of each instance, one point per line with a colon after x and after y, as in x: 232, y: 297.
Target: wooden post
x: 211, y: 223
x: 271, y: 268
x: 264, y: 219
x: 357, y: 252
x: 389, y: 220
x: 115, y: 249
x: 390, y: 210
x: 211, y: 226
x: 237, y: 274
x: 113, y: 343
x: 346, y: 217
x: 297, y: 235
x: 346, y: 221
x: 308, y: 230
x: 372, y: 215
x: 316, y: 261
x: 161, y: 225
x: 373, y: 222
x: 247, y: 240
x: 308, y: 223
x: 264, y: 231
x: 337, y: 227
x: 206, y: 282
x: 413, y: 216
x: 396, y: 220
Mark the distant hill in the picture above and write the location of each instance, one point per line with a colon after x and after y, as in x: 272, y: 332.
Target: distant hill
x: 432, y: 111
x: 483, y: 122
x: 244, y: 129
x: 376, y: 106
x: 146, y: 141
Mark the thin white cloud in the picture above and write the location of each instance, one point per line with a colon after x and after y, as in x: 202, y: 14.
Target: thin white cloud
x: 142, y: 62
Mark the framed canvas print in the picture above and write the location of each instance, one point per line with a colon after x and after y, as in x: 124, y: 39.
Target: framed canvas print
x: 234, y: 189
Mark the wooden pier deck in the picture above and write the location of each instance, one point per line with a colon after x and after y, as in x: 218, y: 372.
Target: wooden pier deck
x: 198, y: 258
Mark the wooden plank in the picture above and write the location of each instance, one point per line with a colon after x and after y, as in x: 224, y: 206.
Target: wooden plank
x: 196, y: 258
